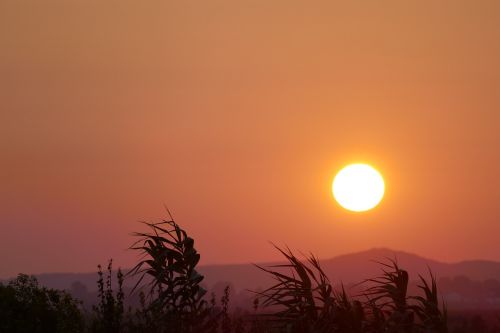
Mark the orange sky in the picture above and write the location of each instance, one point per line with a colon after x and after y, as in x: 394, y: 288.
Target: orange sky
x: 236, y: 114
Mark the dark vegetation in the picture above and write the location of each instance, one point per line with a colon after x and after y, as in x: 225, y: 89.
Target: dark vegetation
x: 27, y: 307
x: 172, y: 299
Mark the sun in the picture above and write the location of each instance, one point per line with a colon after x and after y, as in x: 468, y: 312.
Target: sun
x: 358, y: 187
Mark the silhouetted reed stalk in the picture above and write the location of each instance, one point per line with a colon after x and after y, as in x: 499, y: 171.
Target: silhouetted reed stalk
x: 304, y: 300
x: 175, y: 296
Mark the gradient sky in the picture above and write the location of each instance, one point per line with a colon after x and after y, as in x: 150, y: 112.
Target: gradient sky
x: 237, y: 114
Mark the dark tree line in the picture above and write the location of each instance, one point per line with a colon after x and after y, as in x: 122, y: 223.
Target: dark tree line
x: 25, y: 306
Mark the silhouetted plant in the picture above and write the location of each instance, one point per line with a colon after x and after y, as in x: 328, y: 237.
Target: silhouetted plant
x: 389, y: 293
x: 305, y: 298
x: 305, y: 301
x: 393, y: 309
x: 434, y: 320
x: 109, y: 313
x: 226, y: 319
x: 175, y: 297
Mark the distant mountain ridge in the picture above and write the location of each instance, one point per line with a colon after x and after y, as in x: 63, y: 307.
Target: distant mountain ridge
x: 348, y: 268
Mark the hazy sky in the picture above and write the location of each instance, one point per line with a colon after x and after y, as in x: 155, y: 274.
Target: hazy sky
x: 237, y: 114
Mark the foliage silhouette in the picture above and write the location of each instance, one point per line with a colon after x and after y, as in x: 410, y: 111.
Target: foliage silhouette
x: 305, y: 301
x: 109, y: 312
x: 302, y: 299
x: 167, y: 272
x: 25, y: 306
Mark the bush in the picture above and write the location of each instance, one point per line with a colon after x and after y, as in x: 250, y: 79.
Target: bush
x: 27, y: 307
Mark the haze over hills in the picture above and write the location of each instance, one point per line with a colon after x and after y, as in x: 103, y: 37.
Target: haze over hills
x: 349, y: 268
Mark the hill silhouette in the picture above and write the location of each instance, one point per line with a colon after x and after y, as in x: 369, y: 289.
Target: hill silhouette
x: 348, y: 268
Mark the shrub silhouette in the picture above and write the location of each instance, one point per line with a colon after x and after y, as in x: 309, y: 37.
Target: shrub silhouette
x: 25, y: 306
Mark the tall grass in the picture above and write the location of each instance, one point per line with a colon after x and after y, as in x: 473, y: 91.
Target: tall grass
x: 301, y: 300
x: 304, y: 300
x: 167, y: 275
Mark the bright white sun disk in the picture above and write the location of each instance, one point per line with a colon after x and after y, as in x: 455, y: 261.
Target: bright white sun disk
x: 358, y: 187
